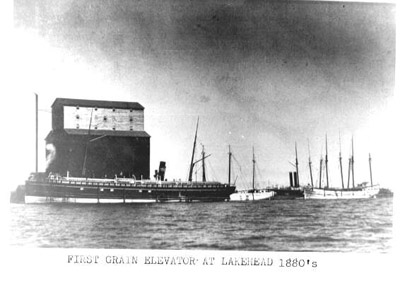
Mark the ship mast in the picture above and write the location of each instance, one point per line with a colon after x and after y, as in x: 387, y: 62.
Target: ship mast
x: 86, y: 146
x: 370, y: 169
x: 351, y: 166
x: 340, y: 161
x: 194, y: 149
x: 309, y: 164
x: 348, y: 174
x: 297, y: 167
x: 320, y: 170
x: 326, y: 161
x: 352, y: 160
x: 37, y: 127
x: 229, y: 166
x: 254, y: 167
x: 203, y: 164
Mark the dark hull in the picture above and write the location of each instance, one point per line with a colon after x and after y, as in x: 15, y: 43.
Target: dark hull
x: 93, y: 192
x: 281, y: 194
x: 384, y: 193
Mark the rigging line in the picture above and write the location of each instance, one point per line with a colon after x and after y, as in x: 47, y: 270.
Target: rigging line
x: 209, y: 170
x: 196, y: 169
x: 234, y: 182
x: 245, y: 167
x: 236, y: 172
x: 242, y: 179
x: 258, y: 171
x: 234, y: 159
x: 233, y: 156
x: 213, y: 173
x: 323, y: 175
x: 244, y: 183
x: 233, y: 173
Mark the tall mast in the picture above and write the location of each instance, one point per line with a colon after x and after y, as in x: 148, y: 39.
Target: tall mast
x: 340, y: 161
x: 194, y: 149
x: 203, y: 164
x: 348, y: 174
x: 37, y: 130
x: 309, y: 164
x: 254, y: 167
x: 370, y: 170
x: 229, y: 166
x: 86, y: 146
x: 297, y: 167
x: 326, y: 161
x: 352, y: 159
x: 320, y: 171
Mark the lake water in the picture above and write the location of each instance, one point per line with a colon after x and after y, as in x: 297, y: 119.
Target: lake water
x: 277, y: 225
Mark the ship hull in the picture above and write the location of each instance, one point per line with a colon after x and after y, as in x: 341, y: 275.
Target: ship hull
x: 97, y: 192
x: 358, y: 193
x: 288, y: 194
x: 249, y: 196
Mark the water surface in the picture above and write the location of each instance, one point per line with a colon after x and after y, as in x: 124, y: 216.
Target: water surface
x: 277, y: 225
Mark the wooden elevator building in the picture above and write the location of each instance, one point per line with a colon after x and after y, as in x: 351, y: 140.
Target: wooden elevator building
x: 93, y: 138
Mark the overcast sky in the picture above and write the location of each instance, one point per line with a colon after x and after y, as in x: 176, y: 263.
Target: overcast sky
x: 257, y: 73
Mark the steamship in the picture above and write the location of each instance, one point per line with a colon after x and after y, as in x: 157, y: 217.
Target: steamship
x: 40, y: 188
x: 48, y: 187
x: 294, y: 191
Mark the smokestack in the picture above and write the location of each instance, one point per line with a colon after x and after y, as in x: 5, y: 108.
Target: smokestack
x: 295, y: 180
x: 161, y: 170
x: 291, y: 178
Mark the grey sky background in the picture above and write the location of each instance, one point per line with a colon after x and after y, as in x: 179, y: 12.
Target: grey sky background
x: 258, y: 73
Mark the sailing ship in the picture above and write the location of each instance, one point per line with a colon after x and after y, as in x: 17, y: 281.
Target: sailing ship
x: 53, y: 188
x: 252, y: 194
x: 360, y: 191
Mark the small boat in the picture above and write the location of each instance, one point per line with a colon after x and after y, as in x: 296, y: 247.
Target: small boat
x: 361, y: 191
x: 252, y: 194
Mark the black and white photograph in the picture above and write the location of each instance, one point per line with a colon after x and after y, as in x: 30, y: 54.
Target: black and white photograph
x: 186, y: 136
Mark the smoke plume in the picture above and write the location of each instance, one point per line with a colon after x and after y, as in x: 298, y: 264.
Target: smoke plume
x: 50, y: 154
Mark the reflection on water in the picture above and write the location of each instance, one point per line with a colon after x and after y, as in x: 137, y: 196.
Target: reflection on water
x: 286, y: 225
